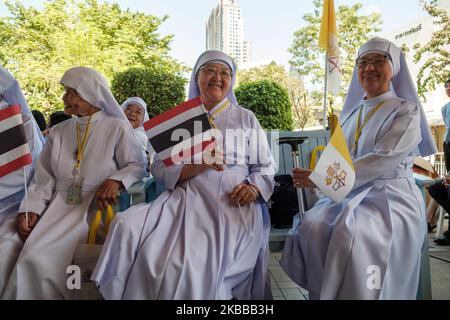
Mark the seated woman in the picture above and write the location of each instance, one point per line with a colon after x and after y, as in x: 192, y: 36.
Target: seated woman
x: 85, y: 162
x: 136, y: 111
x: 206, y: 237
x: 369, y: 245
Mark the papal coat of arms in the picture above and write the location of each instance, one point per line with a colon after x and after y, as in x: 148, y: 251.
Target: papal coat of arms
x: 335, y: 176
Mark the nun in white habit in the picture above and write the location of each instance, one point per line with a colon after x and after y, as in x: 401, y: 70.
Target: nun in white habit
x: 369, y: 245
x: 12, y: 185
x: 95, y: 151
x: 191, y: 242
x: 136, y: 112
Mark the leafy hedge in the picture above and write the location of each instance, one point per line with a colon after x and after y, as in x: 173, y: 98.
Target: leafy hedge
x: 160, y: 91
x: 270, y: 103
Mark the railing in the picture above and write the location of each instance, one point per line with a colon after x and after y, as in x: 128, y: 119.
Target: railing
x: 438, y: 162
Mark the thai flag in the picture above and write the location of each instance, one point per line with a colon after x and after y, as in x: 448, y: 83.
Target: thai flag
x: 181, y: 133
x: 14, y: 149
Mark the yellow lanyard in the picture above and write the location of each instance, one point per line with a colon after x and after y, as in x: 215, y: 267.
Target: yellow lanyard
x: 358, y: 130
x: 211, y: 117
x: 81, y: 143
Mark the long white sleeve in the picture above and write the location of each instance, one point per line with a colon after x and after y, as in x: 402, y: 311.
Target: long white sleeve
x: 42, y: 186
x: 14, y: 182
x: 262, y: 172
x: 167, y: 176
x: 129, y: 158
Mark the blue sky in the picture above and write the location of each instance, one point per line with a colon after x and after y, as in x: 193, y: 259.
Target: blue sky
x: 269, y: 24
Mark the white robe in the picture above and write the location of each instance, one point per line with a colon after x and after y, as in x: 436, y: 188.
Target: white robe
x: 111, y: 152
x: 11, y: 194
x: 190, y: 243
x: 369, y: 245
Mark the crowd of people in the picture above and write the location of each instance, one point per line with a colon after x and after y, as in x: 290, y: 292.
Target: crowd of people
x: 206, y: 236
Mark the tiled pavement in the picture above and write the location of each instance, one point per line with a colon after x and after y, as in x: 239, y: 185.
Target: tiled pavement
x: 283, y: 288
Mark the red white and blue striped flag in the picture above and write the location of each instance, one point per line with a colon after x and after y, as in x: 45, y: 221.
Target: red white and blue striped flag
x: 14, y: 149
x: 180, y: 133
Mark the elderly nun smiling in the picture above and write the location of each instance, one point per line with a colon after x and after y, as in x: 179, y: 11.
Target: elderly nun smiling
x: 379, y: 228
x: 84, y: 163
x: 196, y: 242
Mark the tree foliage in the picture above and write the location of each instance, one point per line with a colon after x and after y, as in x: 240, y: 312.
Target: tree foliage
x: 159, y: 90
x: 293, y: 83
x: 43, y: 44
x: 436, y: 67
x: 354, y: 29
x: 270, y: 103
x: 272, y: 71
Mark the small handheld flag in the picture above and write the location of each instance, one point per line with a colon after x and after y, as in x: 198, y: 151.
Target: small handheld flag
x: 334, y: 174
x: 14, y: 149
x: 180, y: 133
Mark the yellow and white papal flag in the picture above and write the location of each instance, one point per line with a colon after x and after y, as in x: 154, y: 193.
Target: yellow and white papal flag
x: 328, y: 40
x: 334, y: 174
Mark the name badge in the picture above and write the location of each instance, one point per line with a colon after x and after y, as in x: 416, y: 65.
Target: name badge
x: 74, y: 192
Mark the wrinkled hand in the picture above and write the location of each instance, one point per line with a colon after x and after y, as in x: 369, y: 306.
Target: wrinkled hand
x: 243, y: 195
x: 108, y: 193
x: 301, y: 178
x: 22, y: 228
x: 211, y: 159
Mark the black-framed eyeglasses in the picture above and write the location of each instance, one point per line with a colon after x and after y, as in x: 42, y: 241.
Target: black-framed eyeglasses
x: 377, y: 61
x: 211, y: 71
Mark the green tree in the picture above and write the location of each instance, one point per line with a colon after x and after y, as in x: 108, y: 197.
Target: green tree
x: 293, y: 83
x: 354, y: 29
x: 270, y: 103
x: 271, y: 71
x: 42, y: 44
x: 159, y: 90
x: 436, y: 67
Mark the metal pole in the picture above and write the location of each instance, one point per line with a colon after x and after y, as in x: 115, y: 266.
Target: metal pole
x: 325, y: 94
x: 301, y: 207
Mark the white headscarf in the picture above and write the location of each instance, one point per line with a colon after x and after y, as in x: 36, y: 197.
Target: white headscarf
x: 401, y: 84
x: 213, y: 56
x: 93, y: 88
x: 10, y: 90
x: 139, y: 132
x: 138, y: 101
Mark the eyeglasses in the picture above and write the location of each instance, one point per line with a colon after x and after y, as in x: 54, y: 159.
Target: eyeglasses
x: 210, y: 72
x: 377, y: 61
x: 137, y: 111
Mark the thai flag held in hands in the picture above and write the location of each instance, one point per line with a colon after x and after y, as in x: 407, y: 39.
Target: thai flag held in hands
x: 14, y: 149
x: 182, y: 133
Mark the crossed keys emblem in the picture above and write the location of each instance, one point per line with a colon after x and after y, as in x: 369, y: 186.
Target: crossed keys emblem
x: 335, y: 176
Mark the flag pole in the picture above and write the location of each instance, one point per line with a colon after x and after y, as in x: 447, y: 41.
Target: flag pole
x: 325, y: 93
x: 26, y: 196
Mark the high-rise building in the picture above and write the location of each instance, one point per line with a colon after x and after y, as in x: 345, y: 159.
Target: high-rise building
x: 225, y: 31
x: 247, y: 51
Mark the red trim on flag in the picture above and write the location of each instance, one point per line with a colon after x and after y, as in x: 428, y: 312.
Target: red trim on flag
x: 169, y: 114
x: 9, y: 112
x: 168, y: 161
x: 15, y: 164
